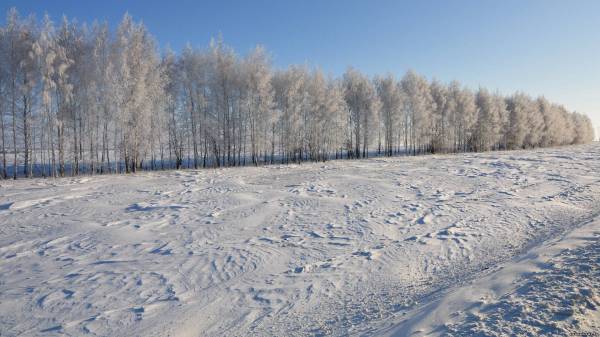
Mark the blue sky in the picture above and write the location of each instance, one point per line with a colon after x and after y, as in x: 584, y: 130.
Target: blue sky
x: 545, y: 47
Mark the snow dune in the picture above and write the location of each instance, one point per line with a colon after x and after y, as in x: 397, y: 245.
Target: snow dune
x: 368, y: 247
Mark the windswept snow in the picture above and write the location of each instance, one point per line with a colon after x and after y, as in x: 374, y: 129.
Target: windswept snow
x: 553, y: 290
x: 337, y: 248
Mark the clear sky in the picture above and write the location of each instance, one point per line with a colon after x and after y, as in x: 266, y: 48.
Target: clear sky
x: 549, y: 47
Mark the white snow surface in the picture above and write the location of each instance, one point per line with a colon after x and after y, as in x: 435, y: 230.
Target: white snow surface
x: 473, y: 244
x: 553, y: 290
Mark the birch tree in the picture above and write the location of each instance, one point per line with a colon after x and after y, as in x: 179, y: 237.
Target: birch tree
x: 390, y: 96
x: 85, y: 99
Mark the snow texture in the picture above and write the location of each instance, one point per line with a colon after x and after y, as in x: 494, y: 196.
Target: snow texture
x: 493, y: 243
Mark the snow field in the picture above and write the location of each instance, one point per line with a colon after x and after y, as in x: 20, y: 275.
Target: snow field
x: 336, y: 248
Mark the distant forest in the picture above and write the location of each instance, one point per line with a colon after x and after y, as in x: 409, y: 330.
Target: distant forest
x: 85, y: 99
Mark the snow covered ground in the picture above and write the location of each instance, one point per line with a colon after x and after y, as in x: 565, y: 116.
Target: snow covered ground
x: 553, y: 290
x: 450, y: 244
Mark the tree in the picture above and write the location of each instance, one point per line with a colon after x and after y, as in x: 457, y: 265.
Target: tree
x: 363, y: 104
x: 520, y: 109
x: 223, y: 87
x: 137, y: 69
x: 584, y: 131
x: 391, y: 98
x: 15, y: 38
x: 258, y: 102
x: 289, y: 87
x: 419, y: 106
x: 103, y: 72
x: 535, y: 123
x: 87, y: 99
x: 489, y: 125
x: 172, y: 73
x: 4, y: 94
x: 552, y: 122
x: 440, y: 116
x: 466, y: 112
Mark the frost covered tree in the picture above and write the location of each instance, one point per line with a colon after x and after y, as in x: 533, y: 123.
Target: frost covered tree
x: 103, y: 72
x: 78, y: 99
x: 418, y: 109
x: 463, y: 117
x: 503, y: 119
x: 520, y: 109
x: 584, y: 132
x: 489, y: 126
x: 18, y: 38
x: 316, y: 116
x: 535, y: 121
x: 289, y: 102
x: 363, y: 104
x: 136, y: 73
x: 3, y: 101
x: 193, y: 81
x: 171, y: 72
x: 336, y: 117
x: 258, y: 102
x: 326, y: 117
x: 440, y: 116
x: 391, y: 98
x: 552, y: 122
x: 223, y: 80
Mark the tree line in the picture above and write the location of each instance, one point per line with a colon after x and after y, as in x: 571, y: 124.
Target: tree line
x: 78, y: 98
